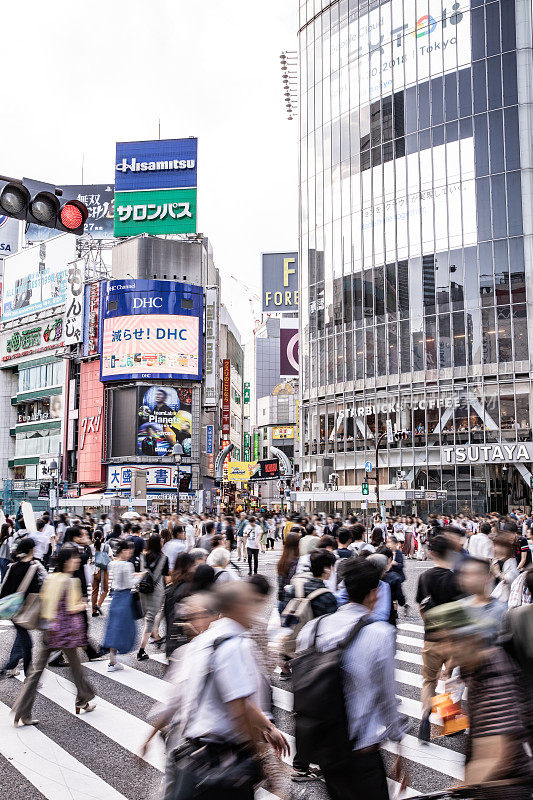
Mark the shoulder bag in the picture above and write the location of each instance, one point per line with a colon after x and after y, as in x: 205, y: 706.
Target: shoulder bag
x: 12, y: 604
x: 150, y: 578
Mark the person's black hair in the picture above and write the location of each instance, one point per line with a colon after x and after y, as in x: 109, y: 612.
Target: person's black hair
x: 176, y: 530
x: 385, y: 551
x: 510, y: 526
x: 364, y: 554
x: 5, y: 532
x: 124, y: 544
x: 39, y: 524
x: 67, y: 552
x: 70, y: 533
x: 135, y: 529
x: 98, y: 539
x: 358, y: 532
x: 360, y: 578
x: 439, y: 545
x: 116, y: 533
x: 154, y: 545
x: 260, y: 584
x: 126, y: 527
x: 485, y: 527
x: 209, y: 527
x: 320, y: 559
x: 479, y: 562
x: 204, y: 577
x: 344, y: 536
x: 376, y: 537
x: 24, y: 547
x: 455, y: 529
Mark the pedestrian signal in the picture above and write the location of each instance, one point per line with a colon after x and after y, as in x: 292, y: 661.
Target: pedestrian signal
x: 364, y: 488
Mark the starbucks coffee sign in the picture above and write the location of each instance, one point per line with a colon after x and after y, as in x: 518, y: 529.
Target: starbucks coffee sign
x: 498, y: 453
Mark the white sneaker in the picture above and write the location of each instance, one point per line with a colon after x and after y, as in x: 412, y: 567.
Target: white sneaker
x: 12, y: 673
x: 115, y: 667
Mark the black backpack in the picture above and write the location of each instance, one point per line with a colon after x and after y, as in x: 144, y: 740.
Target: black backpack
x: 321, y: 724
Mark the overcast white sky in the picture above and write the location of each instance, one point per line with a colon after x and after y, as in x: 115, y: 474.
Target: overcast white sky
x: 85, y: 75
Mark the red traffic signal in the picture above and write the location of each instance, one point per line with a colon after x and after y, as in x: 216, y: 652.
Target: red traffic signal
x: 44, y: 208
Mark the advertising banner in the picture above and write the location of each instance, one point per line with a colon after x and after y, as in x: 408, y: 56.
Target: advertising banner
x: 239, y: 471
x: 155, y: 187
x: 9, y: 235
x: 74, y: 305
x: 24, y: 342
x: 151, y: 329
x: 288, y: 349
x: 157, y: 477
x: 91, y: 424
x: 164, y: 420
x: 211, y: 348
x: 265, y: 469
x: 98, y: 197
x: 226, y: 396
x: 279, y: 283
x: 210, y: 440
x: 35, y: 279
x: 283, y: 432
x: 91, y: 319
x: 256, y: 446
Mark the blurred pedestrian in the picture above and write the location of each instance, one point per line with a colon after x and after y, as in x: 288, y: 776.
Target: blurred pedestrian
x: 121, y: 628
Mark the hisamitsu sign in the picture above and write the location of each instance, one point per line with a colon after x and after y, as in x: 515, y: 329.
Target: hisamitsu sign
x: 280, y: 282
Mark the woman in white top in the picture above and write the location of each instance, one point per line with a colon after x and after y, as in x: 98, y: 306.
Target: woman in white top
x: 121, y: 629
x: 504, y: 567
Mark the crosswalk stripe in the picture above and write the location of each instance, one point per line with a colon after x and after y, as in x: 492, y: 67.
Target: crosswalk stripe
x: 410, y: 641
x: 53, y: 771
x: 441, y: 759
x: 123, y: 728
x: 411, y: 626
x: 410, y: 678
x: 142, y: 682
x: 410, y: 658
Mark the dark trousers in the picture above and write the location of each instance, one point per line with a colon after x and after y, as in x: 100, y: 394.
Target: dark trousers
x: 270, y: 544
x: 21, y: 650
x: 362, y: 778
x: 253, y: 554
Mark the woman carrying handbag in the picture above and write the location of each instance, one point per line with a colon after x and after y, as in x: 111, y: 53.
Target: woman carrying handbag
x: 62, y: 612
x: 152, y: 590
x: 24, y: 576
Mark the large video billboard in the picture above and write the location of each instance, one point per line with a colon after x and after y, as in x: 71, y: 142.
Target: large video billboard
x: 155, y: 187
x: 151, y: 329
x: 164, y: 420
x: 35, y: 279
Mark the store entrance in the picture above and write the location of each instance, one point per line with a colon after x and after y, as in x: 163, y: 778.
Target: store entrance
x: 498, y: 488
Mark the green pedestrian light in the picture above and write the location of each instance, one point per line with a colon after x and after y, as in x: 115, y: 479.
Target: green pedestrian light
x: 364, y: 488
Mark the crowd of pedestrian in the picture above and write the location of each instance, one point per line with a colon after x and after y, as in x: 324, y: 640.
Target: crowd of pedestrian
x: 192, y: 584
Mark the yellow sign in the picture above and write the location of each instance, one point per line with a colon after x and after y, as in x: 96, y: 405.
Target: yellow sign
x: 283, y: 432
x: 283, y: 388
x: 239, y: 471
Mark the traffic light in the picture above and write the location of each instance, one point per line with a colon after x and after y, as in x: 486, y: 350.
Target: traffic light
x: 364, y: 488
x: 44, y: 208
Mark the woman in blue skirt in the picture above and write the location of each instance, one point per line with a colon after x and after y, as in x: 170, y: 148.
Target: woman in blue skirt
x: 121, y: 630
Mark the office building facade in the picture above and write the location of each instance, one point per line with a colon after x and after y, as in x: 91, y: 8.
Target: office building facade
x: 416, y: 257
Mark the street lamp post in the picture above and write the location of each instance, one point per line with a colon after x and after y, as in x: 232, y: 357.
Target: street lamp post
x: 378, y: 442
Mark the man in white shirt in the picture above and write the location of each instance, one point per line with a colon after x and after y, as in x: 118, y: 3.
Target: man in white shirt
x: 42, y: 541
x: 106, y: 525
x: 175, y: 546
x: 223, y: 693
x: 479, y: 544
x: 252, y: 535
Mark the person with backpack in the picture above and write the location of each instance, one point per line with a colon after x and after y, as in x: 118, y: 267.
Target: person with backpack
x: 152, y: 590
x: 24, y: 575
x: 103, y: 555
x: 344, y: 692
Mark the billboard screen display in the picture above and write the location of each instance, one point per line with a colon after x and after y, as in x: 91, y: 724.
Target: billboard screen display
x: 155, y: 187
x: 151, y: 329
x: 164, y: 420
x: 288, y: 351
x: 279, y: 282
x: 91, y: 424
x: 35, y: 279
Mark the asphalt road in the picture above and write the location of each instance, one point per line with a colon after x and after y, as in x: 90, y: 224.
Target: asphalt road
x: 93, y: 756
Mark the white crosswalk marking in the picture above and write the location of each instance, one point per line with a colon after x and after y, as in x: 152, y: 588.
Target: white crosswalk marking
x: 410, y: 641
x: 410, y: 626
x: 55, y: 773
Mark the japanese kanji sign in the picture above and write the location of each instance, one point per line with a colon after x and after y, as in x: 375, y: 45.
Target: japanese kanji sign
x: 156, y: 211
x: 226, y: 395
x: 166, y: 477
x: 74, y: 303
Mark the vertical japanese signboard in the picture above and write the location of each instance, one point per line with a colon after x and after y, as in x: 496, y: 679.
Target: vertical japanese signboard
x: 256, y: 446
x: 155, y: 187
x: 211, y: 349
x: 226, y: 379
x: 246, y: 454
x: 74, y: 303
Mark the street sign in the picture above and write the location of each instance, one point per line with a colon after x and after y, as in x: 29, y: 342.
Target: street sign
x: 52, y: 496
x: 443, y: 494
x: 368, y: 466
x: 390, y: 432
x: 419, y: 495
x: 364, y: 504
x: 431, y: 495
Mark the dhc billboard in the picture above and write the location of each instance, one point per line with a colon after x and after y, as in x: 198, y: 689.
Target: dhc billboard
x: 150, y: 329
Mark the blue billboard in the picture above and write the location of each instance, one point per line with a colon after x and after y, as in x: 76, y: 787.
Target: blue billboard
x: 150, y: 329
x: 156, y: 164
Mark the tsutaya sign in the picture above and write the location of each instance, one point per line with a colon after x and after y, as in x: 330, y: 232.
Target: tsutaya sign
x: 499, y: 453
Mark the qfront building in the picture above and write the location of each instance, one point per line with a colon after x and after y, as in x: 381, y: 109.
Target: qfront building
x: 416, y: 259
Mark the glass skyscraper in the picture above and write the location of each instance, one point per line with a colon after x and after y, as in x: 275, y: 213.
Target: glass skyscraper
x: 416, y: 258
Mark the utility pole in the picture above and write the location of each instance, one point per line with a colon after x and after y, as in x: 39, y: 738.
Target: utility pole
x: 378, y: 442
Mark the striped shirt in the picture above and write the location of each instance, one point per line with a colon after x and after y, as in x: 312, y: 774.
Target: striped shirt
x: 368, y: 664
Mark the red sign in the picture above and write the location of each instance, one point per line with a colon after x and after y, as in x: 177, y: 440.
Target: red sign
x: 91, y: 424
x: 226, y: 395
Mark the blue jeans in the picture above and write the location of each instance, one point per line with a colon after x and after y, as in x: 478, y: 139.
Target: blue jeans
x: 4, y: 564
x: 21, y: 650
